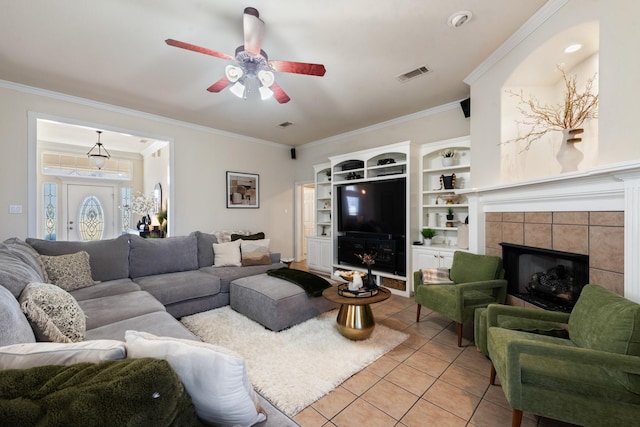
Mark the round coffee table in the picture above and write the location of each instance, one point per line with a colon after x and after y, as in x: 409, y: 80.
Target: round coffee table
x: 355, y: 318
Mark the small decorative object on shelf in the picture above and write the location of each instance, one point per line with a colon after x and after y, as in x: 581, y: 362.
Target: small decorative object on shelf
x: 448, y: 155
x: 428, y: 234
x: 368, y: 260
x: 447, y: 182
x: 449, y: 218
x: 449, y: 199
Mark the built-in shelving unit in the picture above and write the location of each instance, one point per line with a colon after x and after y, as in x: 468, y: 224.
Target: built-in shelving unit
x: 319, y: 245
x: 383, y: 163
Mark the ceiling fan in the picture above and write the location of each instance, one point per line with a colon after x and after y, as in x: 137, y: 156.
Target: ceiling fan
x: 251, y: 62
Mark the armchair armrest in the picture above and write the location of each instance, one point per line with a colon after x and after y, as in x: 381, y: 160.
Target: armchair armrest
x: 495, y: 310
x: 499, y: 286
x: 594, y: 358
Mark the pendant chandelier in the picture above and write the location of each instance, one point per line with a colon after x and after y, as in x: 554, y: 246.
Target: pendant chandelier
x: 99, y: 153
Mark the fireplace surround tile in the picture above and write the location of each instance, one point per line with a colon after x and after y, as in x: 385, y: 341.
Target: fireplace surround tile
x: 571, y: 238
x: 607, y: 248
x: 613, y: 219
x: 538, y: 217
x: 571, y: 218
x: 538, y: 235
x: 513, y: 232
x: 513, y: 217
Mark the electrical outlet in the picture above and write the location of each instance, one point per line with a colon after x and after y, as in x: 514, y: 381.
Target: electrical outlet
x: 15, y: 209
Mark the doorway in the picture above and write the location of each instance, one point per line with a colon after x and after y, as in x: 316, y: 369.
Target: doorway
x: 305, y: 217
x: 69, y: 193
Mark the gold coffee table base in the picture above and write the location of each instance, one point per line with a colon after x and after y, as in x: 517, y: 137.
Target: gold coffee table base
x: 355, y: 318
x: 355, y: 321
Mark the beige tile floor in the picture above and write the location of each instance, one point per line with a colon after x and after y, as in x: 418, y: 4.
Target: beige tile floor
x: 425, y: 381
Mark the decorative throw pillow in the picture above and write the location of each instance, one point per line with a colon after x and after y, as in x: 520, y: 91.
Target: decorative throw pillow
x: 255, y: 252
x: 215, y: 377
x: 25, y: 356
x: 256, y: 236
x: 54, y: 313
x: 227, y: 254
x: 69, y: 272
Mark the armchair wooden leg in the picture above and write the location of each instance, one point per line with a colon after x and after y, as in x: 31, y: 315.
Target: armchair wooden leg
x: 516, y: 418
x: 492, y: 375
x: 459, y: 334
x: 418, y: 313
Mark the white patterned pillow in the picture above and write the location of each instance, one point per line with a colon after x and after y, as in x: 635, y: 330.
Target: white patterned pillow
x: 54, y: 313
x: 70, y: 272
x: 255, y: 252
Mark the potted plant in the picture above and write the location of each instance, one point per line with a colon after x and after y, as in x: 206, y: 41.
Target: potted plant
x: 450, y: 214
x: 427, y: 234
x: 447, y: 156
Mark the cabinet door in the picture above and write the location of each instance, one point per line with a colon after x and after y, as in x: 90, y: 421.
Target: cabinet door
x: 325, y: 255
x: 446, y: 259
x: 425, y: 259
x: 313, y: 254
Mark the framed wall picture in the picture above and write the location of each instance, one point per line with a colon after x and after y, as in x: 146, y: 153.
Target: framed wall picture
x: 243, y: 190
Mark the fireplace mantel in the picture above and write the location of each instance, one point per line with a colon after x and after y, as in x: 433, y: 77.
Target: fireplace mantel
x: 610, y: 188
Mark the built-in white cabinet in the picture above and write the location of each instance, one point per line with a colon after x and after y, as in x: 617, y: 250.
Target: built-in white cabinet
x: 431, y: 257
x: 442, y: 208
x: 319, y: 253
x: 319, y: 246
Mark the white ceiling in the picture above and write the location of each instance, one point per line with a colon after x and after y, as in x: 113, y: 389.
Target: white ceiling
x: 114, y: 52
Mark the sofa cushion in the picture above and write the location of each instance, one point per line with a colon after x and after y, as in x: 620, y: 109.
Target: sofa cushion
x: 24, y: 356
x: 158, y: 323
x: 602, y: 320
x: 109, y: 258
x: 104, y: 310
x: 70, y: 272
x: 215, y: 377
x: 158, y: 256
x: 175, y: 287
x: 29, y: 255
x: 229, y: 274
x: 205, y: 248
x: 227, y: 254
x: 119, y: 392
x: 11, y: 314
x: 468, y: 267
x: 15, y: 273
x: 54, y: 313
x: 255, y: 252
x: 106, y: 289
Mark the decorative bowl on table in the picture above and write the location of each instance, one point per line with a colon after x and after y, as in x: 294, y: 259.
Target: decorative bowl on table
x: 348, y: 275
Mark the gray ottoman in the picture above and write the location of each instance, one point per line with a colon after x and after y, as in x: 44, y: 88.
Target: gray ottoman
x: 275, y: 303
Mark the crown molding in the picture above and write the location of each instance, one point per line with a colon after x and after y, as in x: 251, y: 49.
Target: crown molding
x: 130, y: 112
x: 382, y: 125
x: 540, y: 17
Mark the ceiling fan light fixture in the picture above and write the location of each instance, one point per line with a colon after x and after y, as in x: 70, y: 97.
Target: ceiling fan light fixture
x: 97, y: 155
x: 265, y: 92
x: 233, y: 72
x: 267, y: 78
x: 238, y: 90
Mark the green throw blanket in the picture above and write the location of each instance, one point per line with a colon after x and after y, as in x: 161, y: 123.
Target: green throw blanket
x: 132, y: 392
x: 313, y: 285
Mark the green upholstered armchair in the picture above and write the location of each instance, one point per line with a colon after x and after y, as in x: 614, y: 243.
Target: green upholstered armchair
x: 477, y: 282
x: 591, y: 379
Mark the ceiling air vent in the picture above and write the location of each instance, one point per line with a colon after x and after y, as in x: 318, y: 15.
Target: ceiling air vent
x: 413, y: 74
x: 285, y: 124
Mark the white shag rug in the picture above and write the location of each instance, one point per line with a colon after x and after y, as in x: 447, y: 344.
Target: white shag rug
x: 295, y: 367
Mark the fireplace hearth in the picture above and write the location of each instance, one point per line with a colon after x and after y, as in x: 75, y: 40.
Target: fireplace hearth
x: 546, y: 278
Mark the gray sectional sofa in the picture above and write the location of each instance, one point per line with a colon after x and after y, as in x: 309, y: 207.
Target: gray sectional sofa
x: 144, y: 285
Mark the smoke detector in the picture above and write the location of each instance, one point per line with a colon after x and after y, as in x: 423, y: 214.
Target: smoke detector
x: 458, y: 19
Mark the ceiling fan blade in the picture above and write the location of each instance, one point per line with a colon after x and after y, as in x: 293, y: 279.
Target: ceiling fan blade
x: 189, y: 46
x: 298, y: 68
x: 219, y: 85
x: 253, y: 30
x: 279, y: 94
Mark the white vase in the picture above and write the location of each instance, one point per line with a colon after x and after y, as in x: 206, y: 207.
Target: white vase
x: 447, y: 161
x: 427, y: 242
x: 568, y: 155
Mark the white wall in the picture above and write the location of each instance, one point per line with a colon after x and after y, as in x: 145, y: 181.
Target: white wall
x: 200, y: 157
x: 619, y: 88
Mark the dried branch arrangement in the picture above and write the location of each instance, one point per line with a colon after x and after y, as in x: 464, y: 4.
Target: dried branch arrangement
x: 544, y: 118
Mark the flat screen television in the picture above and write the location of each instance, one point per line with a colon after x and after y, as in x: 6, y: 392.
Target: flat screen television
x: 374, y: 207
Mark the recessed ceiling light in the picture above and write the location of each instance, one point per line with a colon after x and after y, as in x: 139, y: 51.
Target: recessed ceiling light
x: 458, y: 19
x: 573, y: 48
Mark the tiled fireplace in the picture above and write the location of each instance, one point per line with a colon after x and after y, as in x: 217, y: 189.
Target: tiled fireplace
x: 594, y: 213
